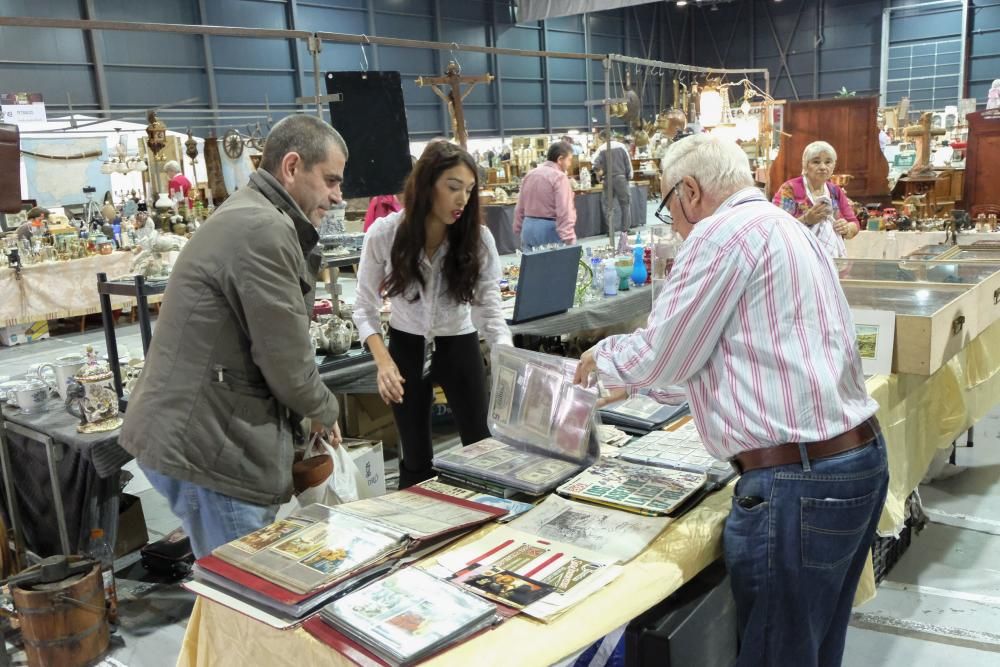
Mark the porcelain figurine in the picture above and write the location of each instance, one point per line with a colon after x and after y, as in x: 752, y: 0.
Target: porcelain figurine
x: 91, y: 397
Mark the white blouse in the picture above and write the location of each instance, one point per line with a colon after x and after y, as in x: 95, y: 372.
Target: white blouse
x: 435, y: 313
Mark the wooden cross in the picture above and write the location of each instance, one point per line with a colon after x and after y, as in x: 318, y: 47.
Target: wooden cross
x: 453, y: 77
x: 921, y: 134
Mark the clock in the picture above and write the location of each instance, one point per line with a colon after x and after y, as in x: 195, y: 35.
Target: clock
x: 232, y: 143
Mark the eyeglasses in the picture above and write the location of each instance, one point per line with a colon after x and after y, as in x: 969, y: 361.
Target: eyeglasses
x: 662, y: 216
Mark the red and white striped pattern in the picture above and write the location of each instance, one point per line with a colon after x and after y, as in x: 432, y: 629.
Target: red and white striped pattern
x: 755, y: 328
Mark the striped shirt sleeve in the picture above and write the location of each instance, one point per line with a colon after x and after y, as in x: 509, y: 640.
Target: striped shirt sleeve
x: 685, y: 325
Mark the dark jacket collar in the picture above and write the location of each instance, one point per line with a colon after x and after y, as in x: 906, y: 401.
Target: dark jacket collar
x: 268, y: 185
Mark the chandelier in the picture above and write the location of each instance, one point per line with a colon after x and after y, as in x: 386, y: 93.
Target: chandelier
x: 120, y: 162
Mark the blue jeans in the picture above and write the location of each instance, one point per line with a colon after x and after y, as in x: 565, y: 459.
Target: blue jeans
x: 536, y: 232
x: 209, y: 518
x: 796, y: 557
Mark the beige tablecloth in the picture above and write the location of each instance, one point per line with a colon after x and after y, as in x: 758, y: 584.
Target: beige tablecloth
x: 60, y: 289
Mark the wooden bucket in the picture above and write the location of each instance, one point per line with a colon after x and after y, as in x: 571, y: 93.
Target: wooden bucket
x: 63, y: 624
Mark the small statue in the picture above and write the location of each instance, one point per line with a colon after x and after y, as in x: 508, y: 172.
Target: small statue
x: 993, y: 96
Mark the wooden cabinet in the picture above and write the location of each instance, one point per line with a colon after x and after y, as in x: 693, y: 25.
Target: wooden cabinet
x: 982, y: 160
x: 847, y: 124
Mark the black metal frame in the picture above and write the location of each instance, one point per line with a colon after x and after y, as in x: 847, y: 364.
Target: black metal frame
x: 141, y: 291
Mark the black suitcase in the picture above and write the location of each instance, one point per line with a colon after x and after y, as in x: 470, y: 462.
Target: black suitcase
x: 695, y: 626
x: 170, y: 556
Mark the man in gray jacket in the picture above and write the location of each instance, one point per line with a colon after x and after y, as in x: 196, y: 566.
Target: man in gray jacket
x: 621, y: 173
x: 231, y: 366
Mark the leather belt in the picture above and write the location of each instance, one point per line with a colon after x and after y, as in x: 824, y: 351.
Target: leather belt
x: 769, y: 457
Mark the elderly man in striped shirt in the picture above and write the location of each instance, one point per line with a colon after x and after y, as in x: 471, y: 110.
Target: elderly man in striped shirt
x: 754, y: 330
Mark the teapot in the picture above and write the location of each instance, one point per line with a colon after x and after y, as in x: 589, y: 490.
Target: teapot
x: 91, y: 397
x: 339, y: 335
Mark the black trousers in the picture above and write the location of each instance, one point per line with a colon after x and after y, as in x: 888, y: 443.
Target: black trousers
x: 456, y: 365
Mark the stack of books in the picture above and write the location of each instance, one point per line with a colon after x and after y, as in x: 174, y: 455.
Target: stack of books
x: 295, y: 565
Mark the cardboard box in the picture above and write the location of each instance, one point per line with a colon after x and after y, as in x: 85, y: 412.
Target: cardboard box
x: 367, y: 454
x: 366, y: 416
x: 132, y: 533
x: 18, y: 334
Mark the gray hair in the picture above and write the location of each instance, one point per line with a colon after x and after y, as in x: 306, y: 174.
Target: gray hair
x: 172, y: 167
x: 306, y: 135
x: 719, y: 165
x: 817, y: 148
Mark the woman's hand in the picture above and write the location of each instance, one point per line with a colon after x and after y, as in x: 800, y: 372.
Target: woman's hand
x: 817, y: 214
x: 846, y: 229
x: 390, y: 382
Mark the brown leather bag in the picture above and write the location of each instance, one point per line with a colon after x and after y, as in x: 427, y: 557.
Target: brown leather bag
x: 10, y: 169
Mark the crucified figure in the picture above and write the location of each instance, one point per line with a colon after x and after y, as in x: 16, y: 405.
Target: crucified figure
x: 453, y: 77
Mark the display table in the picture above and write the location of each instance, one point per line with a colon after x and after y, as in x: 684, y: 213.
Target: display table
x: 52, y: 290
x: 590, y: 219
x: 919, y: 414
x: 64, y: 482
x: 893, y: 245
x: 595, y: 315
x: 359, y: 378
x: 218, y: 636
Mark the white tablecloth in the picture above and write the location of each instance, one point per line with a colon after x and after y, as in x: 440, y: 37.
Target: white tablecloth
x: 893, y: 245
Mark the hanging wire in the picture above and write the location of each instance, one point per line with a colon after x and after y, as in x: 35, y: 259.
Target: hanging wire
x: 364, y: 54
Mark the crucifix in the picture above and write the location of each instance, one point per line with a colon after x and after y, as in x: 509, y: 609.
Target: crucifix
x: 453, y: 77
x: 921, y: 134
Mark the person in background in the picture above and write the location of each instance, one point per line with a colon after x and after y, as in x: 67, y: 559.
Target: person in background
x: 546, y: 210
x: 577, y: 148
x: 36, y: 224
x: 753, y: 329
x: 379, y: 207
x: 621, y: 174
x: 231, y: 370
x: 178, y: 181
x: 883, y: 137
x: 439, y: 267
x: 818, y: 204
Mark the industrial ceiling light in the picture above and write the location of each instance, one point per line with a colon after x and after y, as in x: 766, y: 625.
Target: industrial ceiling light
x: 682, y: 3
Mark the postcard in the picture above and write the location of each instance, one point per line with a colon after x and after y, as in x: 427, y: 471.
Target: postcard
x: 268, y: 535
x: 504, y: 586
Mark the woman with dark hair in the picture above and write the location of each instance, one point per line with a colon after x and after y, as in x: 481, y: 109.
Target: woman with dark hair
x: 439, y: 268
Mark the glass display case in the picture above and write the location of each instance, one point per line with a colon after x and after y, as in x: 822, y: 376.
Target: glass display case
x: 934, y: 321
x: 928, y: 252
x: 910, y: 270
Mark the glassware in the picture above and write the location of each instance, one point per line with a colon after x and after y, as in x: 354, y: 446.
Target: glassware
x: 623, y: 266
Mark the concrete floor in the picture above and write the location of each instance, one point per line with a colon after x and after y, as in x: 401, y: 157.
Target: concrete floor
x: 940, y: 605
